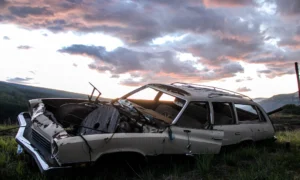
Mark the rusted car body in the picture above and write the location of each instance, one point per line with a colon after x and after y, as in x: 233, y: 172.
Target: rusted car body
x: 152, y: 120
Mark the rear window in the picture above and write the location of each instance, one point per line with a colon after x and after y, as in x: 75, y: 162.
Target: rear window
x: 246, y: 112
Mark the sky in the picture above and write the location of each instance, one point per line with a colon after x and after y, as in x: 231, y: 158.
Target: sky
x: 248, y: 46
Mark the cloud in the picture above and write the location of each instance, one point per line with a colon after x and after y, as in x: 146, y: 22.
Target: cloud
x: 150, y: 65
x: 3, y: 3
x: 24, y: 47
x: 24, y: 11
x: 6, y: 38
x: 115, y: 76
x: 288, y: 7
x: 232, y: 68
x: 244, y: 79
x: 219, y: 49
x: 19, y: 80
x: 130, y: 82
x: 123, y: 60
x: 126, y: 20
x: 218, y: 33
x: 277, y: 69
x: 243, y: 89
x: 227, y: 3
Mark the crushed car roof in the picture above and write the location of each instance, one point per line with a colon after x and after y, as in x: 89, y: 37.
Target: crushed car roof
x: 195, y: 92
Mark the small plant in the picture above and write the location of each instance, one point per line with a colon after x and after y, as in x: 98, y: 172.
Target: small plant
x: 248, y: 153
x: 204, y: 163
x: 2, y: 160
x: 230, y: 159
x: 20, y: 168
x: 291, y: 109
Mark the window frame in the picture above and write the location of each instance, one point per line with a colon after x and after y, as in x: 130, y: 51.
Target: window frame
x: 186, y: 106
x: 261, y: 115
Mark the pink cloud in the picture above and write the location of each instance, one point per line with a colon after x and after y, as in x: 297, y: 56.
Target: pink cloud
x: 227, y: 3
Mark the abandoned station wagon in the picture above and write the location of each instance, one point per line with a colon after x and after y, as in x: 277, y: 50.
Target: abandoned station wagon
x: 154, y: 119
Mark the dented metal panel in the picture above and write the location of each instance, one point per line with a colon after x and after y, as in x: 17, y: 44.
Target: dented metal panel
x: 104, y: 119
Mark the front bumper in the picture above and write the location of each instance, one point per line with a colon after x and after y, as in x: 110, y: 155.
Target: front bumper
x: 25, y: 123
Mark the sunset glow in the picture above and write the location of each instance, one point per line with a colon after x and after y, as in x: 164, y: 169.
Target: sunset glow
x: 246, y: 46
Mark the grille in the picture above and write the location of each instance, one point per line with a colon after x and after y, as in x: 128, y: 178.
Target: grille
x: 41, y: 140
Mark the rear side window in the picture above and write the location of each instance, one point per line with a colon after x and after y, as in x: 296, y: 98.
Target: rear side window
x: 223, y: 113
x: 246, y: 112
x: 262, y: 117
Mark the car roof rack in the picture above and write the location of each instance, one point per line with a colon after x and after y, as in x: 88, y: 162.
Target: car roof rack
x: 216, y: 91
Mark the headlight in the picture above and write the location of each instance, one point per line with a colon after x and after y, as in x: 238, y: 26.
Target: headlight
x: 33, y: 103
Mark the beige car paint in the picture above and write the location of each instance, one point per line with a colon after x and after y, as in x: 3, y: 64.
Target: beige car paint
x: 201, y: 141
x: 171, y: 140
x: 74, y: 149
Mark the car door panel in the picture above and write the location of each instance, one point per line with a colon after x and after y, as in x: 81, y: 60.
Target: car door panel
x: 232, y: 133
x: 250, y: 132
x: 193, y: 141
x: 262, y: 130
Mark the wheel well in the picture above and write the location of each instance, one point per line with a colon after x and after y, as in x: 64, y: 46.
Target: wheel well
x: 121, y: 156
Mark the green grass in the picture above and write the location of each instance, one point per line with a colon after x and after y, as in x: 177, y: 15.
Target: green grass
x: 259, y: 162
x: 288, y: 118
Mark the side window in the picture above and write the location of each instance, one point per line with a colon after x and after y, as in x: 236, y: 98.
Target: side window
x: 195, y: 116
x: 246, y: 112
x: 144, y: 94
x: 223, y: 113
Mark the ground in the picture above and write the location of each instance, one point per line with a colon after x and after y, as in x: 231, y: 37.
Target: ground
x: 269, y: 160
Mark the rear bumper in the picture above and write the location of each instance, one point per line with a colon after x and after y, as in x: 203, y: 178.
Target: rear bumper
x: 25, y: 123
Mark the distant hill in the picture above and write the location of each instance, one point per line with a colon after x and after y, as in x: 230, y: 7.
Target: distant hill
x: 259, y: 99
x: 278, y: 101
x: 14, y: 98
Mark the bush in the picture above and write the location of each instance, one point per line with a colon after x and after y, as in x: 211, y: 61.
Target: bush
x: 291, y: 109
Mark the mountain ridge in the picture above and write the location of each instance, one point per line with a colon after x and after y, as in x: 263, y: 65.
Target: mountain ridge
x: 279, y: 100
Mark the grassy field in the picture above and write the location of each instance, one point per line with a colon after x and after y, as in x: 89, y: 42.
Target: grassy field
x: 280, y: 160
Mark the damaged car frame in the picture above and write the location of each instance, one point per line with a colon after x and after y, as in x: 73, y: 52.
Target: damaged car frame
x: 152, y: 120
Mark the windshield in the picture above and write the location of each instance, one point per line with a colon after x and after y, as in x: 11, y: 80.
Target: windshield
x: 156, y: 104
